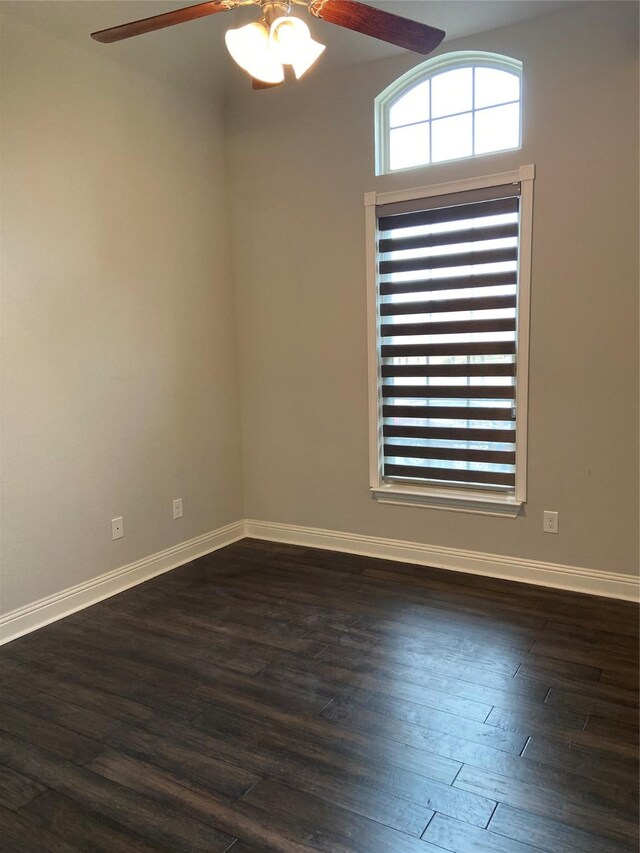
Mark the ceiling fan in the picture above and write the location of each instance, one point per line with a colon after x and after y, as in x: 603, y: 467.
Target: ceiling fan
x: 264, y: 47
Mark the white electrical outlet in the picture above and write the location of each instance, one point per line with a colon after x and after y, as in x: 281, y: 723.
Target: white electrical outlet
x: 117, y: 528
x: 177, y: 508
x: 550, y: 521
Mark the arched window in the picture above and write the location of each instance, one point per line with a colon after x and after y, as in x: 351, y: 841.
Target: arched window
x: 461, y: 104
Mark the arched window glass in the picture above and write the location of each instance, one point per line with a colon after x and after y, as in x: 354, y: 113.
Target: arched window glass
x: 458, y: 105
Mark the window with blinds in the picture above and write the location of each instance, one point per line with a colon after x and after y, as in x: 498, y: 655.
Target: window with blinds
x: 447, y: 326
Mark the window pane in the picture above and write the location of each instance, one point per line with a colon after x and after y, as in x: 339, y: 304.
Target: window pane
x: 451, y: 92
x: 495, y: 87
x: 412, y: 107
x: 409, y: 146
x: 496, y: 129
x: 451, y: 138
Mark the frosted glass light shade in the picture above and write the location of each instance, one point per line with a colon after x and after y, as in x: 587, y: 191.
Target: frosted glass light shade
x: 251, y: 47
x: 293, y: 45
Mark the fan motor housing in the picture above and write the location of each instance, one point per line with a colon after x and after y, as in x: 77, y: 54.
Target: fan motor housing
x: 273, y: 9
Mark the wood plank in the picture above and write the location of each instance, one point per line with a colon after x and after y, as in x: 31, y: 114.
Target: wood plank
x: 373, y: 760
x: 49, y: 736
x: 352, y: 638
x: 427, y: 663
x: 349, y: 784
x: 620, y: 704
x: 341, y: 681
x: 533, y: 676
x: 545, y: 666
x: 551, y: 835
x: 429, y: 697
x: 487, y: 735
x: 573, y: 808
x: 157, y: 823
x: 84, y: 828
x: 440, y: 627
x: 446, y: 646
x: 409, y: 784
x: 17, y: 790
x: 239, y: 819
x: 446, y: 679
x: 600, y: 736
x: 92, y: 724
x: 618, y: 659
x: 311, y: 573
x: 217, y: 632
x: 175, y: 690
x: 44, y: 681
x: 202, y: 769
x: 463, y: 607
x: 627, y: 678
x: 615, y: 790
x: 242, y: 847
x: 168, y: 652
x: 432, y: 700
x: 588, y: 762
x: 617, y: 731
x: 557, y: 630
x: 460, y: 837
x: 336, y: 828
x: 539, y: 719
x: 287, y: 591
x: 304, y: 728
x: 114, y: 673
x: 579, y: 609
x: 178, y: 691
x: 269, y: 693
x: 20, y: 835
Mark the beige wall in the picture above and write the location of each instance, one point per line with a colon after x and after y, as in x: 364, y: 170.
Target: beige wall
x: 301, y: 159
x: 119, y: 383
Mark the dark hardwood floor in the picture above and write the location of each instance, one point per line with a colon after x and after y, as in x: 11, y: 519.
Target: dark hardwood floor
x: 276, y: 698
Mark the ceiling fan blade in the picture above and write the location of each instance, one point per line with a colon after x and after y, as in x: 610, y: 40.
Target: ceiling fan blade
x: 402, y: 32
x: 260, y: 84
x: 158, y: 22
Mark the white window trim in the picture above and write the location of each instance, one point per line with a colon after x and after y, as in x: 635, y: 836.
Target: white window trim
x: 458, y: 499
x: 436, y: 65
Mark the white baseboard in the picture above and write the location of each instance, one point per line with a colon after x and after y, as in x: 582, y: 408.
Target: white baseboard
x: 555, y: 575
x: 53, y: 607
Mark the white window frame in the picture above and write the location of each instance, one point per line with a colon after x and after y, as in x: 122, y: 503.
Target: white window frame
x: 424, y: 71
x: 456, y: 498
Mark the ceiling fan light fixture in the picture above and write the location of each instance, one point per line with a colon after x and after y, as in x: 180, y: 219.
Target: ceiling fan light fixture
x: 251, y: 47
x: 293, y: 44
x: 264, y: 47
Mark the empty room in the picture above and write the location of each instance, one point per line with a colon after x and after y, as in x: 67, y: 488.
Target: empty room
x: 319, y: 426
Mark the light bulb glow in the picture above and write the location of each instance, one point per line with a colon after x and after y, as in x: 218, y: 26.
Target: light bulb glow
x: 293, y: 44
x: 262, y: 52
x: 288, y: 36
x: 251, y: 47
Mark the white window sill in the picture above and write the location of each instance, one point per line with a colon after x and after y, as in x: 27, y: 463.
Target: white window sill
x: 467, y: 500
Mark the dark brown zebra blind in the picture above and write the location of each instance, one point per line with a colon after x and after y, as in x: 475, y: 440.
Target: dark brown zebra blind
x: 447, y: 326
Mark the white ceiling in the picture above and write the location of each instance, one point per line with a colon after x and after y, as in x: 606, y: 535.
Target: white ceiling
x: 193, y: 55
